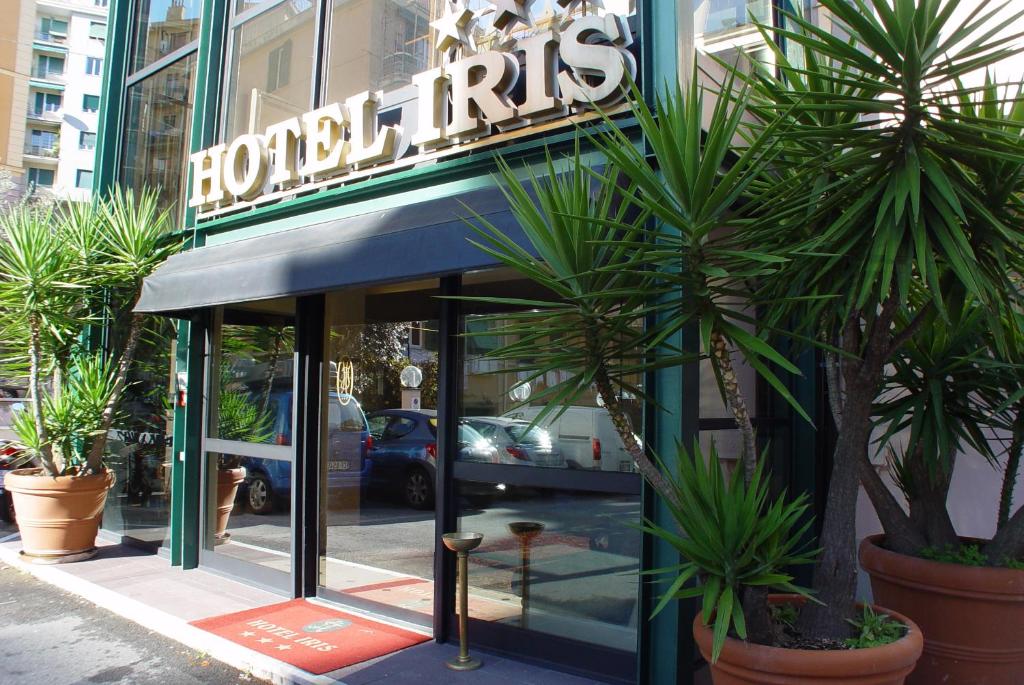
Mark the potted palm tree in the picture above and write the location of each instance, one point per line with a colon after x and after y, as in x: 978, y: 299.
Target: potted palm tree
x: 832, y: 197
x: 948, y: 390
x: 58, y: 268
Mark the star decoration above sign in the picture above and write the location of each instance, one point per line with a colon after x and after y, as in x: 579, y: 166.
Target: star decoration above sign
x: 455, y: 27
x: 570, y: 5
x: 509, y: 12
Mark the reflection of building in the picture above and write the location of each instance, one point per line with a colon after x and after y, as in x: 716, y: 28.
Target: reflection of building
x: 51, y: 61
x: 273, y: 56
x: 173, y: 32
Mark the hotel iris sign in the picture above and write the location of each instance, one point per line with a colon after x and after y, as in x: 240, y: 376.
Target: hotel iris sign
x: 475, y: 98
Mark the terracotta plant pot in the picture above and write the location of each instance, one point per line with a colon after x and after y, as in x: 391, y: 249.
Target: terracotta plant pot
x: 58, y: 517
x: 228, y: 481
x: 744, y: 663
x: 972, y: 617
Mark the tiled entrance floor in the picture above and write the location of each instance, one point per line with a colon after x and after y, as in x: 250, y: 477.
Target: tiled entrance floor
x: 147, y: 589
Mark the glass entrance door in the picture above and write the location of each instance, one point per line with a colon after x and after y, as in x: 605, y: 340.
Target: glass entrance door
x: 249, y: 458
x: 378, y: 462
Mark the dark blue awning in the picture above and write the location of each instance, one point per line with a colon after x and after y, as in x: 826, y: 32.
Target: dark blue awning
x: 419, y: 240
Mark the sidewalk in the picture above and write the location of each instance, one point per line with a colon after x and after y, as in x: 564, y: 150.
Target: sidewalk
x: 146, y: 589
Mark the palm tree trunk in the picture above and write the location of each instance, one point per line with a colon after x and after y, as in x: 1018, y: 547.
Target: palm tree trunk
x: 1012, y: 467
x: 50, y: 467
x: 648, y: 469
x: 95, y: 460
x: 737, y: 405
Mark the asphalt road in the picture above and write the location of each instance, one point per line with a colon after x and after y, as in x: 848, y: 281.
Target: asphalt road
x: 52, y: 637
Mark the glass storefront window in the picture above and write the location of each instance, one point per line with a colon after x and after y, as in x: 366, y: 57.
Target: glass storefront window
x: 378, y: 467
x: 719, y: 16
x: 270, y: 75
x: 156, y: 138
x: 558, y: 501
x: 382, y: 44
x: 250, y: 426
x: 163, y: 26
x: 556, y: 561
x: 139, y: 446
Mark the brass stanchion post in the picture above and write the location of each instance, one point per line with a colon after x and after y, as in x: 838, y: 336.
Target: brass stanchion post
x: 461, y: 544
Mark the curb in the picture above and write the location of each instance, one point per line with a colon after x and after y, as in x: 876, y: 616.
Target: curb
x: 169, y: 626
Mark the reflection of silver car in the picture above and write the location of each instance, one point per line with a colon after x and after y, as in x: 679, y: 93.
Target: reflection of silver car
x: 517, y: 442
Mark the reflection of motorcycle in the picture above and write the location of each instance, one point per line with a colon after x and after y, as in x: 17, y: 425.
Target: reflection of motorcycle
x: 138, y: 486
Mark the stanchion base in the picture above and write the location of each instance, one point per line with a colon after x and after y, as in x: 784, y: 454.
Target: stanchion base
x: 470, y: 664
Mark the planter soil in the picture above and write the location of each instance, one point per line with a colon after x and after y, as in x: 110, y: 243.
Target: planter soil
x: 972, y: 617
x: 744, y: 663
x: 58, y: 516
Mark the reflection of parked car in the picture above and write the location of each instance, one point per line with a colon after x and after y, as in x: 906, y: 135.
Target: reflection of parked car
x: 10, y: 457
x: 585, y: 436
x: 348, y: 439
x: 404, y: 452
x: 517, y: 441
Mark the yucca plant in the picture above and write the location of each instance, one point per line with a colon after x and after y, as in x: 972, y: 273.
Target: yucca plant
x: 59, y: 272
x: 868, y: 194
x: 39, y: 295
x: 735, y: 539
x: 134, y: 243
x: 899, y: 224
x: 597, y: 256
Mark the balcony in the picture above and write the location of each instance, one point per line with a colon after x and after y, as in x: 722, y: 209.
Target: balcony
x: 58, y: 38
x: 51, y: 116
x: 44, y: 151
x: 47, y: 75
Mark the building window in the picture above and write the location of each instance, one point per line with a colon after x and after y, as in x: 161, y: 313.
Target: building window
x: 83, y: 179
x: 41, y: 178
x: 156, y: 133
x: 47, y: 102
x: 53, y: 29
x: 48, y: 65
x: 161, y: 28
x: 279, y: 65
x: 90, y: 103
x: 42, y: 143
x: 97, y: 30
x: 87, y: 141
x: 100, y: 3
x: 93, y: 65
x: 269, y: 77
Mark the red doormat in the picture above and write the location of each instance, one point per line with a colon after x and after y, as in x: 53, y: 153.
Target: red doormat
x: 312, y: 637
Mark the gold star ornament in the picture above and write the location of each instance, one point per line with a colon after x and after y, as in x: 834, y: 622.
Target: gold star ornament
x: 455, y: 27
x: 508, y: 12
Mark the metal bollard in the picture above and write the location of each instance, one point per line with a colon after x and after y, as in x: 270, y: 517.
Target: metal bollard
x: 462, y: 544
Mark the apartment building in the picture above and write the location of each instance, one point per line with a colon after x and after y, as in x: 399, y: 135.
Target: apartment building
x: 51, y: 64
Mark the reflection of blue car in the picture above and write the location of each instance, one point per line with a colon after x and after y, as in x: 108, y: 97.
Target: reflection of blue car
x: 348, y: 439
x: 404, y: 452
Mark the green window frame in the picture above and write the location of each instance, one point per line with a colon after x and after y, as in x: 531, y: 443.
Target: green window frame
x: 40, y: 178
x: 90, y: 103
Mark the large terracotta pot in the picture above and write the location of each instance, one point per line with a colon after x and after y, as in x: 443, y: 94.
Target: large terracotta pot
x: 744, y: 663
x: 972, y: 617
x: 228, y: 481
x: 58, y: 516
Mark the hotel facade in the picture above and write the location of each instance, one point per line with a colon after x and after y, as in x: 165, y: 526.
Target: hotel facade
x: 318, y: 157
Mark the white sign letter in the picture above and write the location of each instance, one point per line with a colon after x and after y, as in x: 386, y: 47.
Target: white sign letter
x: 541, y: 52
x: 611, y: 62
x: 246, y: 170
x: 326, y: 150
x: 282, y: 139
x: 432, y: 115
x: 480, y: 88
x: 207, y: 169
x: 368, y: 147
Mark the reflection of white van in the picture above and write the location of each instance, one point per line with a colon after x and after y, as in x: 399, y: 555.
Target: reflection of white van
x: 586, y: 437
